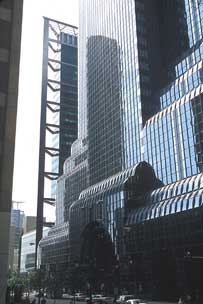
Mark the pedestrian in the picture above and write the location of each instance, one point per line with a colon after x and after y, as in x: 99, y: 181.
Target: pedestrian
x: 8, y: 290
x: 197, y: 296
x: 188, y: 299
x: 33, y: 301
x: 43, y: 301
x: 181, y: 301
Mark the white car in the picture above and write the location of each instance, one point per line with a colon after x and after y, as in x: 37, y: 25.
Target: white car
x: 135, y: 301
x: 97, y: 296
x: 124, y: 298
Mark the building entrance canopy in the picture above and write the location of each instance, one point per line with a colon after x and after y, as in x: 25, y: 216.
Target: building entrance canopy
x: 141, y: 173
x: 107, y: 202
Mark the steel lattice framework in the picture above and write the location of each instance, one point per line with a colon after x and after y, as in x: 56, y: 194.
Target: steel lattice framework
x: 51, y: 105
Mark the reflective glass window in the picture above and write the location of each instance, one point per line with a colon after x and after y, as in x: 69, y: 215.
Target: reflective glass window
x: 184, y: 204
x: 201, y: 182
x: 179, y: 190
x: 190, y: 202
x: 191, y: 183
x: 201, y: 198
x: 144, y: 213
x: 167, y: 208
x: 185, y: 186
x: 173, y: 206
x: 149, y: 212
x: 178, y: 204
x: 196, y: 182
x: 196, y: 200
x: 153, y: 212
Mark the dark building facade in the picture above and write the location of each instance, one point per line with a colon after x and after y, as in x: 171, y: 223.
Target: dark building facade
x: 10, y: 41
x: 136, y: 222
x: 68, y: 99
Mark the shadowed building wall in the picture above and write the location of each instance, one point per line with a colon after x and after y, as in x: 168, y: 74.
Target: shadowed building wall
x: 10, y: 38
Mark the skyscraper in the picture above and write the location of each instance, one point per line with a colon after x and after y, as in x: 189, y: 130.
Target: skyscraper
x: 127, y: 68
x: 10, y: 38
x: 110, y: 38
x: 59, y: 109
x: 16, y: 231
x: 137, y: 221
x: 140, y: 107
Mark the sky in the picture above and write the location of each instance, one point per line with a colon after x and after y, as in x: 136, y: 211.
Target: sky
x: 29, y: 99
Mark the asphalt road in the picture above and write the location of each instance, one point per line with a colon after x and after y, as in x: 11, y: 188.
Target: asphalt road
x: 67, y: 301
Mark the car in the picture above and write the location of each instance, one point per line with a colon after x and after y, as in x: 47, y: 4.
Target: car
x: 100, y: 299
x: 124, y: 298
x: 67, y: 296
x: 135, y: 301
x: 97, y: 296
x: 80, y: 296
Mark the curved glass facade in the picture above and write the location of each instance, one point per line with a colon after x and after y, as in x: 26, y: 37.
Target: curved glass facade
x: 171, y: 199
x: 105, y: 203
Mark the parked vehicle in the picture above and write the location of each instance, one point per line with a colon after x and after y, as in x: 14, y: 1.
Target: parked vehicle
x: 124, y: 298
x: 135, y: 301
x: 100, y: 299
x: 67, y: 296
x: 80, y: 296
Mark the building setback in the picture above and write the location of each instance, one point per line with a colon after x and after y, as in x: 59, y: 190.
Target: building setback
x: 10, y: 38
x: 138, y: 223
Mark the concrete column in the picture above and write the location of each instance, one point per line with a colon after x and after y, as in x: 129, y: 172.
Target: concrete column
x: 4, y: 236
x: 11, y: 16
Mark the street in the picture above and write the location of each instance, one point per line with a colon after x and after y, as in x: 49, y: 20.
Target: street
x: 67, y: 301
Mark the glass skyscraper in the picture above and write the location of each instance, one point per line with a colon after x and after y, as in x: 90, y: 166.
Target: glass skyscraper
x: 109, y: 86
x: 66, y: 118
x: 140, y: 103
x: 141, y: 119
x: 136, y: 59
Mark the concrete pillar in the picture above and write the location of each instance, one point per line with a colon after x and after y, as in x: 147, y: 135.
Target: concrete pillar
x: 4, y: 236
x: 10, y: 40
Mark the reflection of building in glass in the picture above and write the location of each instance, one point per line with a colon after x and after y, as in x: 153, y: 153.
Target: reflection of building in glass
x: 104, y: 117
x: 146, y: 213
